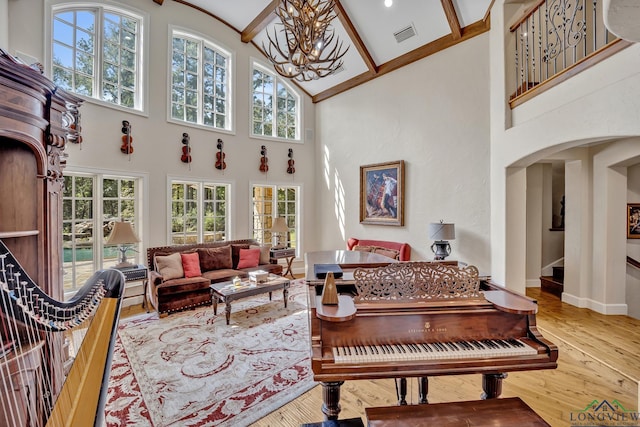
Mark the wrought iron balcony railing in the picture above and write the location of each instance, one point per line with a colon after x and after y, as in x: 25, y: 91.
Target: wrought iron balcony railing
x: 556, y: 39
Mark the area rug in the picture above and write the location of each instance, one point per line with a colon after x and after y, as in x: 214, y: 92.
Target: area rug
x: 192, y: 369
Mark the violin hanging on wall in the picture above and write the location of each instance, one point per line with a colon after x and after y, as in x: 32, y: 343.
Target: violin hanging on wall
x: 264, y: 167
x: 220, y: 163
x: 186, y: 149
x: 127, y: 139
x: 290, y: 163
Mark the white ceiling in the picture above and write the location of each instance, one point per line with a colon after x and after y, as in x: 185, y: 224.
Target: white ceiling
x: 375, y: 25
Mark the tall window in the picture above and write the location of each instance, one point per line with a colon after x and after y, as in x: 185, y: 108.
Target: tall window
x: 269, y: 202
x: 276, y: 107
x: 200, y: 82
x: 199, y: 212
x: 96, y: 51
x: 91, y: 205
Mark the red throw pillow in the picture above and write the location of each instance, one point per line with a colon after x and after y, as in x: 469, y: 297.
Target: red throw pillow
x: 191, y: 264
x: 248, y: 258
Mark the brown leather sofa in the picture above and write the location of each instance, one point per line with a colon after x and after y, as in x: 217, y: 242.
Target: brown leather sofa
x: 218, y: 262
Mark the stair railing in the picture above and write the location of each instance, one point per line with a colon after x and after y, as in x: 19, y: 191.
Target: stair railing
x: 633, y: 262
x: 556, y: 39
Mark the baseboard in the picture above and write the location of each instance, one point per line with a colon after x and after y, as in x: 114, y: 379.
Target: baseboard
x: 609, y: 309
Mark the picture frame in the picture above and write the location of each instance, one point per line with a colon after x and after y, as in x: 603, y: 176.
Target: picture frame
x: 382, y: 193
x: 633, y: 220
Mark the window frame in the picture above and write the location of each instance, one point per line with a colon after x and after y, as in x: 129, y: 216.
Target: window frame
x: 274, y: 202
x: 142, y: 58
x: 200, y: 200
x: 262, y: 67
x: 231, y: 79
x: 97, y: 205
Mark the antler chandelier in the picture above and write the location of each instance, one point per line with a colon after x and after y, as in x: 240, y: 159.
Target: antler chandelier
x: 309, y: 51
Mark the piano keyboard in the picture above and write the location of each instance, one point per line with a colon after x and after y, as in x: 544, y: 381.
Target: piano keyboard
x: 364, y: 353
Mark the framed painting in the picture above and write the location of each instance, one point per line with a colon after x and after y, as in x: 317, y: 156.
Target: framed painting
x: 633, y: 220
x: 382, y: 193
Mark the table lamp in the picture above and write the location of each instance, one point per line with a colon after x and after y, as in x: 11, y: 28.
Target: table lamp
x: 279, y: 228
x: 123, y: 235
x: 441, y: 232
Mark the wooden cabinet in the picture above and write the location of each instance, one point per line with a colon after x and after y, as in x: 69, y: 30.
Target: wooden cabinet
x: 37, y: 120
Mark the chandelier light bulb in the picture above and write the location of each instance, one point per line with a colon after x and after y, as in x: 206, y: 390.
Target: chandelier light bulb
x: 388, y: 3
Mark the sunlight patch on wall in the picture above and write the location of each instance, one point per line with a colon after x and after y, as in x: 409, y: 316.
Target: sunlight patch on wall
x: 339, y: 204
x: 327, y: 172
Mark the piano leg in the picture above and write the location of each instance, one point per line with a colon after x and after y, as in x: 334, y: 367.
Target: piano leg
x: 423, y: 389
x: 492, y: 385
x: 401, y: 390
x: 331, y: 399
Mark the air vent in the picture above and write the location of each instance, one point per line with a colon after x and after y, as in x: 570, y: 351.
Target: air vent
x: 405, y: 33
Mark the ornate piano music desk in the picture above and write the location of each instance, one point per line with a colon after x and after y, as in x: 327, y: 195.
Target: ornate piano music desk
x: 419, y: 319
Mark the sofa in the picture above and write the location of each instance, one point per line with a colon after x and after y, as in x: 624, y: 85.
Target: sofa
x: 180, y: 275
x: 395, y: 250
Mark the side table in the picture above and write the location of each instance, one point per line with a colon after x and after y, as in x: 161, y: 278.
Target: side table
x: 289, y: 258
x: 137, y: 273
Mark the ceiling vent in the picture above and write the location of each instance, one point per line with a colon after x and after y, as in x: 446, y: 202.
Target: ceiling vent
x: 405, y: 33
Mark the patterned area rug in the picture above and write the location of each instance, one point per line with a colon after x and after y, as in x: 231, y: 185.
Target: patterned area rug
x: 192, y: 369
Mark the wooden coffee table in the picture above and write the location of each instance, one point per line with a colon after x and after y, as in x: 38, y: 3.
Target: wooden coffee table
x: 226, y: 291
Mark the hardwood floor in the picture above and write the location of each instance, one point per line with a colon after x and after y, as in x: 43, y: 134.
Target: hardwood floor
x: 598, y: 360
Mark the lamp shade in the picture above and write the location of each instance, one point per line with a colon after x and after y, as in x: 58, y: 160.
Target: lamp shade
x: 442, y: 231
x: 122, y: 233
x: 279, y: 226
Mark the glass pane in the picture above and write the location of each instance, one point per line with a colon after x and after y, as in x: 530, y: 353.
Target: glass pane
x: 110, y: 209
x: 84, y: 63
x: 127, y: 98
x: 127, y: 78
x: 62, y: 32
x: 84, y: 187
x: 111, y: 32
x: 111, y: 53
x: 62, y: 78
x: 192, y: 97
x: 177, y: 209
x: 110, y: 73
x: 84, y: 209
x: 85, y: 19
x: 192, y: 48
x: 178, y: 44
x: 65, y: 16
x: 221, y: 61
x: 84, y: 84
x: 128, y: 39
x: 220, y: 121
x: 110, y: 187
x: 192, y: 81
x: 208, y: 54
x: 128, y: 209
x: 208, y: 118
x: 127, y: 188
x: 84, y: 41
x: 177, y: 111
x: 192, y: 64
x: 62, y: 56
x: 192, y: 115
x: 109, y: 93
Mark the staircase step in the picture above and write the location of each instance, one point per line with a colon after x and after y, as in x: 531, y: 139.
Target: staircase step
x: 548, y: 284
x: 558, y: 274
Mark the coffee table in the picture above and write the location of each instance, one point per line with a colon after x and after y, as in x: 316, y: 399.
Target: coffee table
x: 227, y: 291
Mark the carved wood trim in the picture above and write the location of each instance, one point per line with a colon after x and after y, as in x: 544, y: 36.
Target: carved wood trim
x: 416, y: 280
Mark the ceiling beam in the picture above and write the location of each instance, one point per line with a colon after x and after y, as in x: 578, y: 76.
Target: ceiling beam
x: 435, y: 46
x: 159, y: 2
x: 259, y: 22
x: 355, y: 37
x: 452, y: 18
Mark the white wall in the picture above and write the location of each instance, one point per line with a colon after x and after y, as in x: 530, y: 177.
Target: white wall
x: 599, y: 104
x: 157, y: 143
x: 433, y: 115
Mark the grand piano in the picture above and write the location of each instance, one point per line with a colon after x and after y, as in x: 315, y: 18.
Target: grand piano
x: 421, y: 319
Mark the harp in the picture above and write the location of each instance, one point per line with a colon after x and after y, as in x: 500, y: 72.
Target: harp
x: 33, y: 325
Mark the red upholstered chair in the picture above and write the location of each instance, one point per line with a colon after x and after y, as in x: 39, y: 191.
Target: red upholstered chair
x: 403, y: 249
